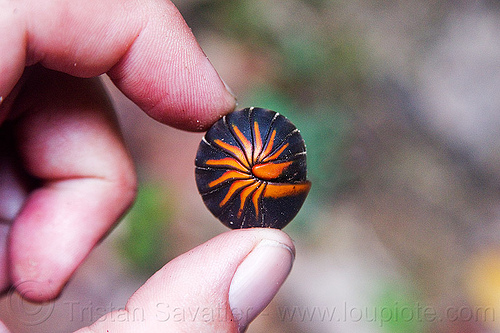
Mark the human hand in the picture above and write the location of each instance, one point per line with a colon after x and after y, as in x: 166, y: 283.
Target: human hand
x: 219, y: 286
x: 74, y: 177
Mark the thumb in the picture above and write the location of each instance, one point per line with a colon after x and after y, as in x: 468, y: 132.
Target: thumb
x: 219, y: 286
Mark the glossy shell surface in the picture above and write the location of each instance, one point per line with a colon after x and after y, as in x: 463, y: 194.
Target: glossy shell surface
x: 251, y: 169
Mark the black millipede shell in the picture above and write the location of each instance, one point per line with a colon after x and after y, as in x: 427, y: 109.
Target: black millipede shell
x: 251, y: 169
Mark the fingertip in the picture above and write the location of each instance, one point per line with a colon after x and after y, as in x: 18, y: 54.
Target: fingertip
x: 259, y: 277
x: 145, y: 47
x: 48, y: 245
x: 4, y: 269
x: 167, y: 74
x: 219, y: 286
x: 3, y: 328
x: 38, y: 290
x: 13, y: 57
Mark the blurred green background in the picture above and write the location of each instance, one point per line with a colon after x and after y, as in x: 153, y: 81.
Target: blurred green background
x: 398, y: 104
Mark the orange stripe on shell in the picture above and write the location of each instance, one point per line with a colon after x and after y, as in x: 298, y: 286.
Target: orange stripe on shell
x: 236, y: 151
x: 276, y: 154
x: 247, y: 145
x: 277, y: 190
x: 258, y: 141
x: 269, y: 171
x: 269, y: 146
x: 232, y: 174
x: 235, y: 187
x: 228, y: 162
x: 245, y: 193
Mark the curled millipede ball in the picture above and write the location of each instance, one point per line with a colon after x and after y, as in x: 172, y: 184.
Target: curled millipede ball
x: 251, y: 169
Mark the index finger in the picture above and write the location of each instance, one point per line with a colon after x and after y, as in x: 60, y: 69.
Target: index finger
x: 144, y: 46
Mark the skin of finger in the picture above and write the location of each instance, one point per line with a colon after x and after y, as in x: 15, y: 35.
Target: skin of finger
x: 3, y: 328
x: 12, y: 194
x: 196, y: 96
x: 12, y: 49
x: 67, y: 137
x: 146, y: 48
x: 4, y: 272
x: 190, y: 293
x: 14, y: 188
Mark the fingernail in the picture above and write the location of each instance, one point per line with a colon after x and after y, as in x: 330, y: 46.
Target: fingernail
x: 234, y: 100
x: 228, y: 88
x: 258, y: 278
x: 3, y: 328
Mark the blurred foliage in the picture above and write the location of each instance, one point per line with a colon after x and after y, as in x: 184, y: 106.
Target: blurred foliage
x: 312, y: 58
x: 397, y: 310
x: 314, y: 72
x: 143, y: 243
